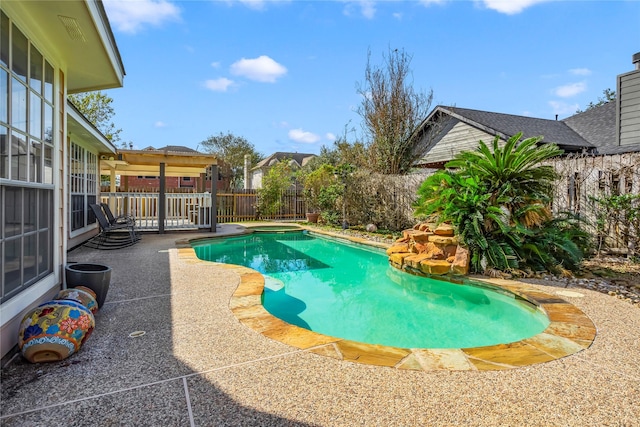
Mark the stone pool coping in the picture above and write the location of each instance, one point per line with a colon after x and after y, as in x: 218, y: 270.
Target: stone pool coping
x: 570, y: 330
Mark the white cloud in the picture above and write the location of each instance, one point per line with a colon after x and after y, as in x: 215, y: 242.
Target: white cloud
x: 159, y: 124
x: 300, y: 135
x: 569, y: 90
x: 397, y: 15
x: 218, y: 85
x: 580, y: 71
x: 366, y: 8
x: 509, y: 7
x: 261, y: 69
x: 562, y: 108
x: 330, y: 136
x: 215, y: 64
x: 131, y: 16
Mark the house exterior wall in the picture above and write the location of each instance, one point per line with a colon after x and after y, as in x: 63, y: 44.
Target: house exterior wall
x: 171, y: 182
x: 32, y: 255
x: 256, y: 179
x: 629, y: 108
x: 83, y: 184
x: 461, y: 137
x: 36, y: 61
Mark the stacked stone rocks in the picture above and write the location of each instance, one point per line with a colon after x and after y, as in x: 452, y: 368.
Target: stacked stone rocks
x: 428, y: 249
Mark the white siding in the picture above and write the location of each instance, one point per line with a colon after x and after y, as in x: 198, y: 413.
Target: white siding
x: 256, y: 179
x: 461, y: 137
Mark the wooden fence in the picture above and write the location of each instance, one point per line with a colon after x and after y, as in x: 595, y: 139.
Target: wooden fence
x: 585, y: 179
x: 242, y: 205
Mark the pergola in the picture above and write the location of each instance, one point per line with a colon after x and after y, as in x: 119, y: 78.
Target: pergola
x: 162, y: 163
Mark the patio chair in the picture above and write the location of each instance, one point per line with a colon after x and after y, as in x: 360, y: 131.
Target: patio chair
x: 120, y: 219
x: 111, y: 236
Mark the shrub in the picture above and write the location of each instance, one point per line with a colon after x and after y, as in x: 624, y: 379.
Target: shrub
x: 497, y: 200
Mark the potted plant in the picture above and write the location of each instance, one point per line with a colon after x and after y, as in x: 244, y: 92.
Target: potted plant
x: 313, y: 182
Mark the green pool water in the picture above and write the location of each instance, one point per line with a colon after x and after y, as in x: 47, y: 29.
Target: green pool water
x: 351, y: 292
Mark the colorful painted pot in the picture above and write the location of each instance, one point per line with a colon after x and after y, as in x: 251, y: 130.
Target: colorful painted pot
x: 54, y: 330
x: 79, y: 295
x: 89, y: 290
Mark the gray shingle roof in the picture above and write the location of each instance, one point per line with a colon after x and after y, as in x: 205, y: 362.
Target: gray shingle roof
x: 177, y: 149
x: 553, y: 131
x: 597, y: 125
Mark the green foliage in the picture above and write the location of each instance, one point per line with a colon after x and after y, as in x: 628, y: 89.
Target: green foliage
x: 277, y: 180
x: 608, y: 96
x: 314, y: 182
x: 619, y: 212
x: 329, y: 201
x: 232, y: 149
x: 514, y: 172
x: 560, y: 243
x: 497, y: 199
x: 97, y: 108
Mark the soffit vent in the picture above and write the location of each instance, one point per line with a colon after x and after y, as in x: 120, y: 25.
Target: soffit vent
x: 73, y: 28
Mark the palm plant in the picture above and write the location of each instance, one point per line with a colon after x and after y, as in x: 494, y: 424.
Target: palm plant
x: 497, y: 199
x: 515, y: 172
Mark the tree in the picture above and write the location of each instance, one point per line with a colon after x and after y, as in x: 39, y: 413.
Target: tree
x: 277, y: 180
x: 232, y: 149
x: 97, y: 108
x: 391, y: 111
x: 608, y: 96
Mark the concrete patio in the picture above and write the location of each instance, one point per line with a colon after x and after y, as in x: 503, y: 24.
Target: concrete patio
x: 196, y: 364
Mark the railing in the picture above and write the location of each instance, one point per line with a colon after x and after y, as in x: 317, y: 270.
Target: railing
x: 182, y: 211
x: 186, y: 211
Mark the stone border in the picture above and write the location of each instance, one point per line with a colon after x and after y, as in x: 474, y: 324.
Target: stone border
x: 569, y: 332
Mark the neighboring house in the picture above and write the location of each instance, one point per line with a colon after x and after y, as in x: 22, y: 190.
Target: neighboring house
x: 612, y: 128
x: 173, y: 183
x: 296, y: 160
x: 49, y: 153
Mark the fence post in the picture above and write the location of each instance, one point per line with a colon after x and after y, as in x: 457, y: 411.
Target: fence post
x: 162, y: 202
x: 214, y: 198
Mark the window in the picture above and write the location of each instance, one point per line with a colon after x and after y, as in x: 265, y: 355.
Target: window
x: 25, y: 249
x: 26, y: 108
x: 26, y: 161
x: 83, y: 185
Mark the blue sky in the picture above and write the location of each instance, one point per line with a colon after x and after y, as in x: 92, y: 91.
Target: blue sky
x: 284, y: 74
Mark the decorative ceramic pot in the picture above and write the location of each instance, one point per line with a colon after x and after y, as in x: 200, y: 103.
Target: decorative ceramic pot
x: 79, y: 295
x: 54, y: 330
x: 84, y: 288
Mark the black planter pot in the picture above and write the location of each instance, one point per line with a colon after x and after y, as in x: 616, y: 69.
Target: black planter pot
x: 94, y: 276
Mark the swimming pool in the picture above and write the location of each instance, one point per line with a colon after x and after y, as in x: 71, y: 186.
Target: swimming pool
x: 351, y: 292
